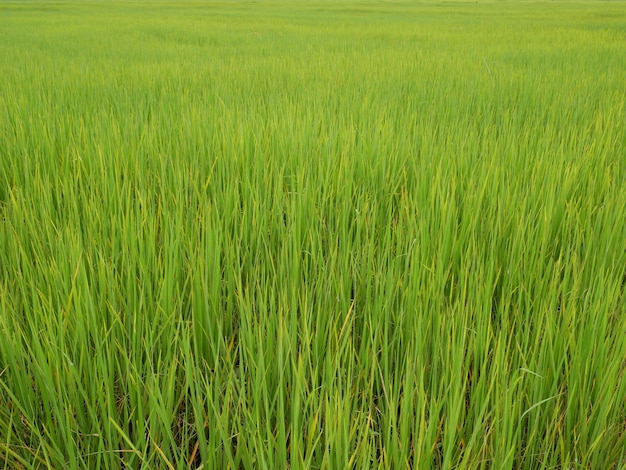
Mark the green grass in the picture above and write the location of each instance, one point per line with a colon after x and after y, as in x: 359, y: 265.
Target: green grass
x: 313, y: 235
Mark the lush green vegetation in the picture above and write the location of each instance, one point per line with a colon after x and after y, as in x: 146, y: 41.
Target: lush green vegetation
x: 312, y: 235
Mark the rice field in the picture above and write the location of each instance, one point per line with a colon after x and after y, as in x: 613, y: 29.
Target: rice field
x: 313, y: 235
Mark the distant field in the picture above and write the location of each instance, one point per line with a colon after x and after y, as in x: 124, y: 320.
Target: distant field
x: 313, y: 235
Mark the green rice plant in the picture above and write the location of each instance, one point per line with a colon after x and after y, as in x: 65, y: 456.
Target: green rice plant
x: 312, y: 235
